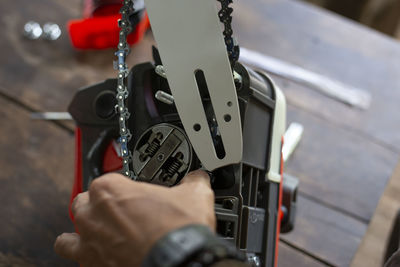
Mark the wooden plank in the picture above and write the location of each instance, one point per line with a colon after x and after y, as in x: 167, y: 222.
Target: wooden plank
x: 333, y: 46
x: 289, y: 257
x: 36, y: 179
x: 325, y: 233
x: 345, y: 168
x: 338, y: 167
x: 372, y: 249
x: 45, y: 75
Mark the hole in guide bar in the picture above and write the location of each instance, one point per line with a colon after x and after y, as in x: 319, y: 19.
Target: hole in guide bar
x: 197, y: 127
x: 210, y: 114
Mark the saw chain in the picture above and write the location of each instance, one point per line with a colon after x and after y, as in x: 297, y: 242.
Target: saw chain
x: 127, y: 9
x: 122, y: 89
x: 225, y: 16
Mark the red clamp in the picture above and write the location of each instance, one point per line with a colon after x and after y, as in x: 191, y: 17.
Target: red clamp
x: 99, y: 28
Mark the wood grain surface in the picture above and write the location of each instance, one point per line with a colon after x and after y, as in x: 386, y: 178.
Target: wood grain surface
x: 371, y: 252
x: 333, y: 46
x: 328, y: 235
x: 348, y: 52
x: 289, y: 257
x: 347, y: 170
x: 36, y: 175
x: 45, y: 75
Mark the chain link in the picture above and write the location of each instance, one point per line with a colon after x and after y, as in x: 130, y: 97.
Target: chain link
x: 225, y: 16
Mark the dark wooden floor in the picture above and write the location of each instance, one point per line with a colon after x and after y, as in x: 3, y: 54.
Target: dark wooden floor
x: 343, y: 162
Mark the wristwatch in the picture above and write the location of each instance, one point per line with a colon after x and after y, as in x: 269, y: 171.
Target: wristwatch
x: 193, y: 245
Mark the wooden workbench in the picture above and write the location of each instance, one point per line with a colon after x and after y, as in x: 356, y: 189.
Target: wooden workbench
x: 343, y: 161
x: 374, y: 248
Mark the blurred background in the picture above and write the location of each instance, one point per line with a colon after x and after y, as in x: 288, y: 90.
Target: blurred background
x: 382, y: 15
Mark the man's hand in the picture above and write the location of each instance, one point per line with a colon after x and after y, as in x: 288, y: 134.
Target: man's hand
x: 119, y: 220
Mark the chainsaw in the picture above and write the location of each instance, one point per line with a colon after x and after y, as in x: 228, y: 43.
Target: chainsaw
x: 195, y: 106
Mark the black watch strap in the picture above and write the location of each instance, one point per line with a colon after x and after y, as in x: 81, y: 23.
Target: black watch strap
x: 192, y: 245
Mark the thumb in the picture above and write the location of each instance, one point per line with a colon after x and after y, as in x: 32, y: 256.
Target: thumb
x: 67, y: 246
x: 198, y: 176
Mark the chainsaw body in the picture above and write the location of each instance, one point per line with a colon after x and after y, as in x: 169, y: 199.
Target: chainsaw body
x: 248, y: 194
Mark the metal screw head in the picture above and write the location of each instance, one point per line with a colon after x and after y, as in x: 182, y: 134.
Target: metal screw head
x: 160, y: 157
x: 32, y: 30
x: 51, y: 31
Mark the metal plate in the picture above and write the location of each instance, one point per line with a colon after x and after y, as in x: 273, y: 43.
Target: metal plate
x: 189, y: 37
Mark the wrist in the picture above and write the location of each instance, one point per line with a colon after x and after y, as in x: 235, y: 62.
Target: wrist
x: 190, y: 245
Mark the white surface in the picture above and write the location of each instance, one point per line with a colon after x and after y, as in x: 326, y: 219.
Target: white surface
x: 51, y: 116
x: 291, y: 139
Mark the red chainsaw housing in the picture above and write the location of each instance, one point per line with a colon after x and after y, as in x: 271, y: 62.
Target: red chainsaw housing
x: 111, y: 162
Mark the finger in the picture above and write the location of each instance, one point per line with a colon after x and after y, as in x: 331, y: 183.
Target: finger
x: 68, y: 246
x: 80, y: 201
x: 198, y: 176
